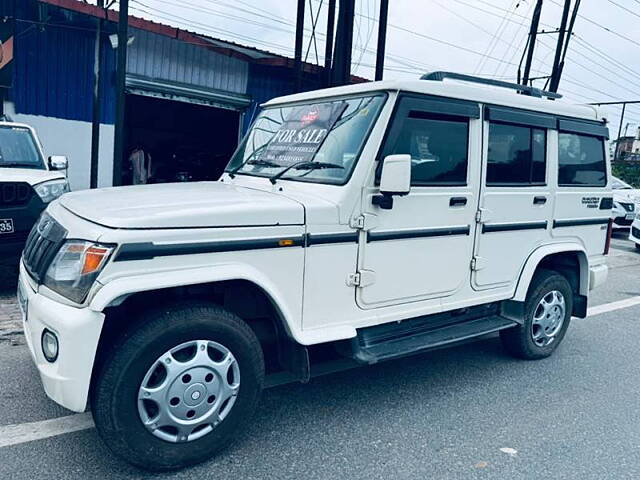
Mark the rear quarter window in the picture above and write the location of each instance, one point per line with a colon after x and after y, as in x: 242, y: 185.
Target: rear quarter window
x: 581, y: 160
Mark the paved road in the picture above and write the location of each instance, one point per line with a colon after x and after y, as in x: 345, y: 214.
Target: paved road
x: 445, y: 414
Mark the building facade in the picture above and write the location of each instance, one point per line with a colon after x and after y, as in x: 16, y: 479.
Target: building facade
x: 189, y: 98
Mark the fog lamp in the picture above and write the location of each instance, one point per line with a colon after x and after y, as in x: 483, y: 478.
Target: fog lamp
x: 49, y: 345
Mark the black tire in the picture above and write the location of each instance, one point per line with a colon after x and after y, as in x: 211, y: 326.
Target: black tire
x: 114, y: 396
x: 637, y: 246
x: 519, y: 341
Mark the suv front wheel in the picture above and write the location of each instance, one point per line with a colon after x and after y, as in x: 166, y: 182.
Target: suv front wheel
x: 178, y: 387
x: 548, y: 310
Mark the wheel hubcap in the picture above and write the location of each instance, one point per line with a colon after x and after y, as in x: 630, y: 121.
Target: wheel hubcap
x: 548, y: 318
x: 188, y: 391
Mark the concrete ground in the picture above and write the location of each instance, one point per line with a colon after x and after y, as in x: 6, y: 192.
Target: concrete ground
x: 466, y: 412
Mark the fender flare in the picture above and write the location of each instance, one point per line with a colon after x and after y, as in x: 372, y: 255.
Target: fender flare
x: 540, y: 254
x: 114, y: 290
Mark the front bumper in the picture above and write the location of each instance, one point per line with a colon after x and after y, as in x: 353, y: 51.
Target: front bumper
x: 66, y: 381
x: 634, y: 234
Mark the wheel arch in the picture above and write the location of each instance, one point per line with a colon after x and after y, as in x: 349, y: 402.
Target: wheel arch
x: 273, y: 321
x: 568, y: 259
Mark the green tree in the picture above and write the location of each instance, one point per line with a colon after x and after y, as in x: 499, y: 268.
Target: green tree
x: 628, y: 172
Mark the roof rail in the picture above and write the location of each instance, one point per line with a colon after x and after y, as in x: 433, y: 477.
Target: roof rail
x: 524, y: 89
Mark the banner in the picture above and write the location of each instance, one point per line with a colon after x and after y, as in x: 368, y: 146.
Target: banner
x: 301, y: 135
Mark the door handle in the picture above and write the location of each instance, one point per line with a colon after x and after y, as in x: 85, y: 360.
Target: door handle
x: 457, y: 201
x: 539, y: 200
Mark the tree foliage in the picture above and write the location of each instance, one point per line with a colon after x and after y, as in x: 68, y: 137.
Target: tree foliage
x: 628, y: 172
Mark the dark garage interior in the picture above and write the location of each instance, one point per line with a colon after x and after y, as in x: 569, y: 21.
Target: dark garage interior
x: 179, y: 141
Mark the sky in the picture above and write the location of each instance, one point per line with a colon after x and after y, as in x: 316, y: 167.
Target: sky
x: 481, y: 37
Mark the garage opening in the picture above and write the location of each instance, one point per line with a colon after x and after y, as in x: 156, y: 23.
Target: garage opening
x: 173, y: 141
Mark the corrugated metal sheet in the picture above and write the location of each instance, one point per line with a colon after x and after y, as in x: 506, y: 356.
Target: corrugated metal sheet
x: 158, y: 57
x: 267, y: 82
x: 54, y: 72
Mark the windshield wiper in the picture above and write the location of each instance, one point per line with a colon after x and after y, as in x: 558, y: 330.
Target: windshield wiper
x: 251, y: 161
x: 263, y: 163
x: 304, y: 165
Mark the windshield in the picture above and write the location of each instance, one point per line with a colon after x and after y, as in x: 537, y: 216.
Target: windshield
x: 318, y: 142
x: 18, y: 149
x: 618, y: 184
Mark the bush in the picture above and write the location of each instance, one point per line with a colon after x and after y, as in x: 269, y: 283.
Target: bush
x: 628, y: 172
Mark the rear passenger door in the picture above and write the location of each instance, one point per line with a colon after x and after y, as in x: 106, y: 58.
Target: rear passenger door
x: 516, y: 201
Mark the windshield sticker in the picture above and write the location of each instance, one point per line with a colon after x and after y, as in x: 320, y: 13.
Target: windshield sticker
x: 300, y: 137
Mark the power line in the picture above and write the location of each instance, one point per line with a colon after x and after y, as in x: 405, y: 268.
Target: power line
x: 496, y: 37
x: 599, y: 25
x: 624, y: 8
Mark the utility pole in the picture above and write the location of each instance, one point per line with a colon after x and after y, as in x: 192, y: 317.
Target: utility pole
x: 533, y: 33
x: 328, y: 48
x: 341, y: 74
x: 382, y: 38
x: 298, y: 48
x: 555, y: 73
x: 555, y: 81
x: 624, y: 107
x: 121, y: 73
x: 97, y: 97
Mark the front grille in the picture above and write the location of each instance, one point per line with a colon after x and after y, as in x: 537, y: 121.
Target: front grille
x: 15, y: 194
x: 635, y: 232
x: 43, y: 243
x: 629, y: 207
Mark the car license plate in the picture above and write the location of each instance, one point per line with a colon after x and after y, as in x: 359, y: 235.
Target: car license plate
x: 23, y: 302
x: 6, y: 225
x: 630, y: 216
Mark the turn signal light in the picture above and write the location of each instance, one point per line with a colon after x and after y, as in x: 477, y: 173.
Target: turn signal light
x: 93, y: 258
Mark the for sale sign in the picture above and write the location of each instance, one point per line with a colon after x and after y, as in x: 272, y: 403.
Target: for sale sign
x: 302, y: 134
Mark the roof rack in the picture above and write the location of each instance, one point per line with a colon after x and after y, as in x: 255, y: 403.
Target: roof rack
x: 523, y: 89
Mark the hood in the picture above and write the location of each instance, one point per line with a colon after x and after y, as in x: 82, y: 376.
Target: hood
x: 183, y: 205
x: 30, y: 175
x: 627, y: 195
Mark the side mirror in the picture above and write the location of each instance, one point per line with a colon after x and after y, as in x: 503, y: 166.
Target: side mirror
x: 394, y: 180
x: 58, y: 162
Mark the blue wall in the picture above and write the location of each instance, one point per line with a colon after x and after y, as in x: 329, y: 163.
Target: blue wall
x: 267, y: 82
x: 54, y: 67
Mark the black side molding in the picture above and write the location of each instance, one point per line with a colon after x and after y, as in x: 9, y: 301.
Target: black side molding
x: 580, y: 222
x: 510, y: 227
x: 427, y: 232
x: 149, y: 250
x: 327, y: 238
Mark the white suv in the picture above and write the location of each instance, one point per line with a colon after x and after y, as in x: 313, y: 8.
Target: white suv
x: 625, y: 203
x: 27, y: 184
x: 352, y: 225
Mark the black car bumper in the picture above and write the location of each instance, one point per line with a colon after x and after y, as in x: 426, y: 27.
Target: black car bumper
x: 24, y: 212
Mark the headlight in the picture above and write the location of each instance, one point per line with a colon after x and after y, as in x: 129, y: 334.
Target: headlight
x: 49, y: 191
x: 75, y: 267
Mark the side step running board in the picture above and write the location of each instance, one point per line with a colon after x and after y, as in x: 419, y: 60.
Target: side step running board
x: 371, y: 348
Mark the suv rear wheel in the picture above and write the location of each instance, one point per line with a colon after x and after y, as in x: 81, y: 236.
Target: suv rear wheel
x: 177, y: 388
x: 548, y: 310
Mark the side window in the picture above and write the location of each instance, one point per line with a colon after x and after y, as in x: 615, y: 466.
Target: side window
x: 517, y: 155
x: 438, y: 145
x: 581, y: 160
